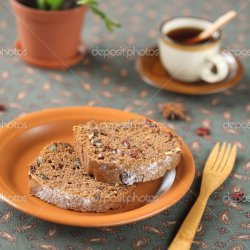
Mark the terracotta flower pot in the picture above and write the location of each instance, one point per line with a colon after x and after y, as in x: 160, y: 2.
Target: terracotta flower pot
x: 50, y: 38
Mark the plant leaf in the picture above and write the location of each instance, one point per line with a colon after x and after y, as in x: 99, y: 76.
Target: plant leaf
x: 55, y: 4
x: 93, y: 5
x: 42, y: 4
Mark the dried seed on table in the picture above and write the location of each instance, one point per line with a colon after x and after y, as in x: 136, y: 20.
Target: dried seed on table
x: 2, y: 107
x: 202, y: 131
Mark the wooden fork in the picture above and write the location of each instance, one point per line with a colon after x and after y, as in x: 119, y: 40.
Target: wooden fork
x: 217, y: 168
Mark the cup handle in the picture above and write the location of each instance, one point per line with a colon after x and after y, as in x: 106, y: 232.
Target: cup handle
x: 208, y: 74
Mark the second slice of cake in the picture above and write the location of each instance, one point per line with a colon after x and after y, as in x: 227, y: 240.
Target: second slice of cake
x: 56, y: 176
x: 126, y: 152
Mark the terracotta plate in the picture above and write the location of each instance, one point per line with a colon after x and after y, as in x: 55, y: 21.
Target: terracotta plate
x: 22, y: 139
x: 153, y: 73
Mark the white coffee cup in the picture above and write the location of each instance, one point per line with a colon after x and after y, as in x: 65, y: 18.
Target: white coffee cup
x: 191, y: 63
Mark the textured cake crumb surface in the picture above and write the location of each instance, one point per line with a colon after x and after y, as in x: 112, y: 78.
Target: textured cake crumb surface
x: 56, y: 176
x: 126, y: 152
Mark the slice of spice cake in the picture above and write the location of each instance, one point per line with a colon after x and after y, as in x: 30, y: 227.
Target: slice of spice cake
x: 126, y: 152
x: 57, y: 177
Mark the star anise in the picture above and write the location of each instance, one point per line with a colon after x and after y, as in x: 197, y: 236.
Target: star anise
x: 173, y: 111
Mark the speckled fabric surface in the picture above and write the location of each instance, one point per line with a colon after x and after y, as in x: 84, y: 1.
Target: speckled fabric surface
x: 113, y: 82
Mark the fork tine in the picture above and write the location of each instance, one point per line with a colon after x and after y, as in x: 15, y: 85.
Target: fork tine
x: 220, y: 157
x: 231, y: 160
x: 212, y: 156
x: 225, y: 158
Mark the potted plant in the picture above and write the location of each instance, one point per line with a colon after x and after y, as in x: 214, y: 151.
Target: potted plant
x: 49, y: 30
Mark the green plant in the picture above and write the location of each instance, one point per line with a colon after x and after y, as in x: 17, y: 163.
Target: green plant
x: 92, y: 4
x: 49, y: 4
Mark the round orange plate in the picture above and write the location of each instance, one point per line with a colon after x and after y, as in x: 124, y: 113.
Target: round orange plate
x: 22, y: 139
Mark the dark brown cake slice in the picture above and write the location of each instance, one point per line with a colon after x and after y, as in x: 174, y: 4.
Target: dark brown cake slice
x: 126, y: 152
x: 56, y: 176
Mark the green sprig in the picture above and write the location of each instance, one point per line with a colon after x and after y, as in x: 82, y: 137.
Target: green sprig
x: 93, y: 5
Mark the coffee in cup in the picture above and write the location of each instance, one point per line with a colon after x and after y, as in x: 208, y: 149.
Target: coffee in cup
x: 191, y: 63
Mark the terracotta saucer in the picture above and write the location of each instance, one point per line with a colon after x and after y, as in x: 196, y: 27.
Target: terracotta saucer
x: 58, y: 64
x: 153, y: 73
x: 22, y: 139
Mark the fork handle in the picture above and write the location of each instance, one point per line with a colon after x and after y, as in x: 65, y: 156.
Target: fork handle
x: 184, y: 238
